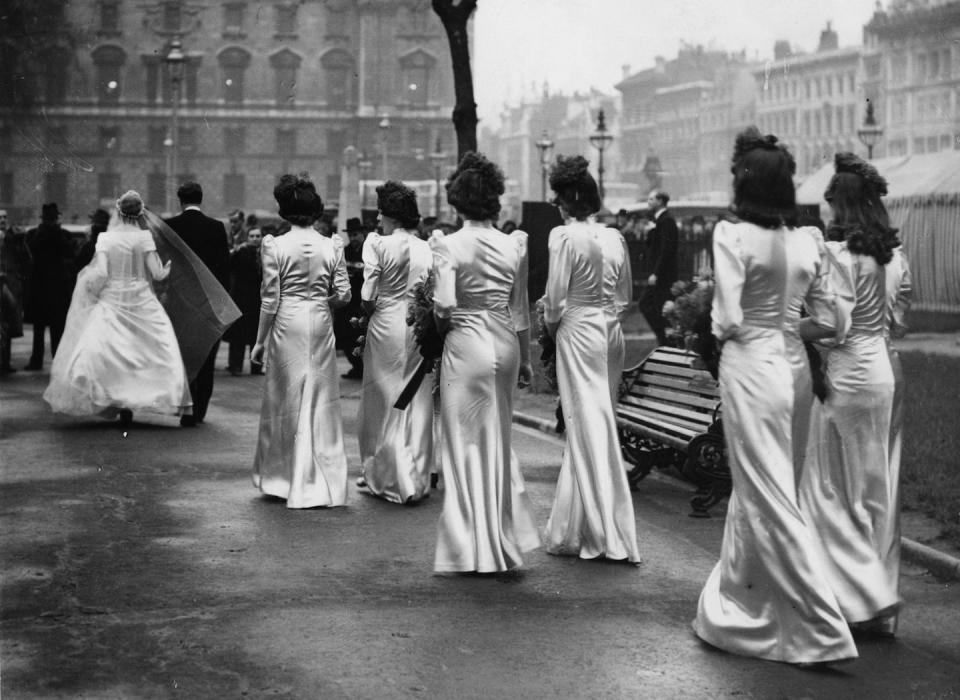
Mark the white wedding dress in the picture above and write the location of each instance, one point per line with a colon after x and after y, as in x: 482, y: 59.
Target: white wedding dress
x: 119, y: 349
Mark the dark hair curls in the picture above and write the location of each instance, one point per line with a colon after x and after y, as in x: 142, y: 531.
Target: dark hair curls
x: 297, y: 197
x: 859, y: 216
x: 763, y: 189
x: 575, y: 187
x: 398, y: 202
x: 475, y: 187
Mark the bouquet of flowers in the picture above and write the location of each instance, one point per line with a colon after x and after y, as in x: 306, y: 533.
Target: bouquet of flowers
x: 548, y: 348
x: 689, y: 318
x: 426, y: 334
x: 360, y: 323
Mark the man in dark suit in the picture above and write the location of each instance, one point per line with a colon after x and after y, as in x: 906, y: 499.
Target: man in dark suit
x: 662, y: 242
x: 208, y: 239
x: 344, y: 333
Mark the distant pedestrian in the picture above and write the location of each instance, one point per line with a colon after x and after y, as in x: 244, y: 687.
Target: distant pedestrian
x: 14, y: 268
x: 848, y: 488
x: 246, y: 271
x: 300, y: 453
x: 99, y: 220
x: 237, y: 232
x: 208, y: 239
x: 346, y: 333
x: 52, y: 278
x: 662, y: 240
x: 768, y: 596
x: 587, y: 294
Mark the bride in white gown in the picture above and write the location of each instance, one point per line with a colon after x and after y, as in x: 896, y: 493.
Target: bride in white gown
x: 120, y: 352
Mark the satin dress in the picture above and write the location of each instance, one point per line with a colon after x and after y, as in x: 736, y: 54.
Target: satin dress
x: 300, y: 453
x: 119, y: 349
x: 486, y: 522
x: 396, y: 446
x: 588, y: 290
x: 767, y: 596
x: 849, y: 487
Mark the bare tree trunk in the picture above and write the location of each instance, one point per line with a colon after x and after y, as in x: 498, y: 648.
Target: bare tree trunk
x: 455, y: 14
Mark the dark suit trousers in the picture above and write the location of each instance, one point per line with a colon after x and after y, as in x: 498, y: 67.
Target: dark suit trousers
x: 651, y: 306
x: 201, y: 388
x: 56, y: 327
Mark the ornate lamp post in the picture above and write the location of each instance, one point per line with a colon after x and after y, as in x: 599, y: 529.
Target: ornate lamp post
x: 438, y: 157
x: 543, y: 145
x: 600, y: 139
x: 871, y: 132
x: 384, y: 127
x: 365, y: 165
x: 175, y: 61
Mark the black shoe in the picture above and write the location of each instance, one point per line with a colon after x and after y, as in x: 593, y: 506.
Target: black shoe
x: 257, y: 371
x: 236, y: 372
x: 434, y: 480
x: 7, y: 370
x: 353, y: 374
x: 188, y: 422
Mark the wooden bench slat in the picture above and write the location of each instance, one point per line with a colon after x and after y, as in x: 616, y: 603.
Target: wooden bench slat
x: 644, y: 415
x: 686, y: 399
x: 673, y: 410
x: 676, y: 438
x: 700, y: 388
x: 673, y: 370
x: 701, y: 421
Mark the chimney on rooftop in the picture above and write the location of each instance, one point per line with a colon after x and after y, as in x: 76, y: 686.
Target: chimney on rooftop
x: 626, y: 70
x: 829, y: 41
x: 781, y: 50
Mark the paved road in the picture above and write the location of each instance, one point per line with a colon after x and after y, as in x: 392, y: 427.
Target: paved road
x: 146, y: 566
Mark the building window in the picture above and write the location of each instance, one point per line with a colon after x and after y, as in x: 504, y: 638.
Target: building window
x: 109, y: 140
x: 234, y: 190
x: 171, y: 16
x: 233, y: 13
x: 55, y: 188
x: 337, y: 22
x: 6, y: 140
x: 233, y: 66
x: 109, y: 61
x: 286, y: 142
x: 339, y: 71
x: 109, y: 17
x: 57, y: 138
x: 918, y: 145
x: 6, y: 188
x: 187, y: 139
x: 416, y: 70
x: 932, y: 144
x: 156, y: 190
x: 285, y: 65
x: 234, y: 140
x: 55, y: 76
x: 108, y: 186
x: 151, y: 67
x: 945, y: 142
x: 156, y: 139
x: 286, y: 21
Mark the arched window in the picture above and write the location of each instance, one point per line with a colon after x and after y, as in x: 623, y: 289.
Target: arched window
x: 285, y: 65
x: 109, y: 61
x: 416, y: 70
x: 340, y: 74
x: 233, y: 66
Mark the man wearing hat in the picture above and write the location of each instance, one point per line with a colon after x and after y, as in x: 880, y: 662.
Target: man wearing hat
x: 14, y: 266
x: 99, y: 220
x: 344, y: 333
x: 52, y: 281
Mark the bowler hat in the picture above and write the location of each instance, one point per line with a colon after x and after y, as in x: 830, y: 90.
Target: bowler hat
x: 99, y: 217
x: 354, y: 225
x: 49, y: 212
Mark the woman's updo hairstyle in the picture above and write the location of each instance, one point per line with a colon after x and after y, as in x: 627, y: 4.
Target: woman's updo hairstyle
x: 130, y: 207
x: 859, y: 216
x: 398, y: 202
x: 574, y: 186
x: 298, y: 199
x: 475, y: 187
x: 763, y: 189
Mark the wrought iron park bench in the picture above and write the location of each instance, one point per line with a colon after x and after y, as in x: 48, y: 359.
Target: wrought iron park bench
x: 668, y: 415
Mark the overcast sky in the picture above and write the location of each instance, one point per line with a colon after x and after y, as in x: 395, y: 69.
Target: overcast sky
x: 576, y: 44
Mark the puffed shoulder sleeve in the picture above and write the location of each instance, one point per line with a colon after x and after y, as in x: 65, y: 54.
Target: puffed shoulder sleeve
x: 147, y: 243
x: 445, y: 279
x: 372, y: 266
x: 832, y: 295
x: 624, y: 289
x: 730, y: 273
x: 520, y: 295
x: 340, y: 280
x: 899, y: 292
x: 270, y: 283
x: 558, y: 275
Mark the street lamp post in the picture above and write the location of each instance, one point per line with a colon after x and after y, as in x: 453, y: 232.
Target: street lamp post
x: 384, y: 127
x: 600, y: 139
x: 175, y: 62
x: 437, y: 158
x: 871, y: 132
x: 543, y: 145
x: 365, y: 165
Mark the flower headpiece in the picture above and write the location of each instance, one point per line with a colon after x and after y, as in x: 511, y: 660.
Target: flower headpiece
x: 130, y: 206
x: 851, y: 163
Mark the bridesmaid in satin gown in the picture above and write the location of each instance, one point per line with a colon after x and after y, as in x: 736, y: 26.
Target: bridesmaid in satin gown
x: 300, y: 454
x: 767, y: 597
x: 588, y: 290
x: 396, y: 446
x: 850, y: 486
x: 481, y: 304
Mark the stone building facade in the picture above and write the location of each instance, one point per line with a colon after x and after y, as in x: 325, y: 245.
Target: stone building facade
x: 269, y: 87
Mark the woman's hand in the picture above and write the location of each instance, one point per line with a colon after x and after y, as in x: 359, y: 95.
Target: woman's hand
x: 525, y: 375
x: 256, y: 354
